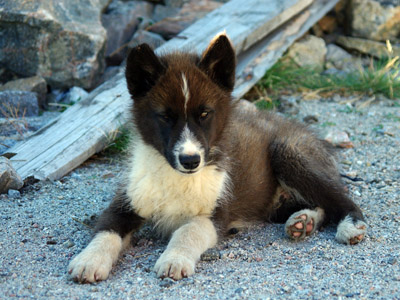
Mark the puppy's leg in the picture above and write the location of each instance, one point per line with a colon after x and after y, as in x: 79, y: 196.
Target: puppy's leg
x: 185, y: 247
x: 305, y: 167
x: 112, y: 235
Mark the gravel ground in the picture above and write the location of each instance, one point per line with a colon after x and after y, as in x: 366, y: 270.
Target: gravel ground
x: 49, y: 222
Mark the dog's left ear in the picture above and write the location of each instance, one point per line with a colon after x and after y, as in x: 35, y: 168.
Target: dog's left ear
x: 219, y: 62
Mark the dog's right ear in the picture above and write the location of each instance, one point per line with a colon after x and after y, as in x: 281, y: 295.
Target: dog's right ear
x: 143, y: 69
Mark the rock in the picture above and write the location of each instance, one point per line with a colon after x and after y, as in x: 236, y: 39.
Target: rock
x: 150, y: 38
x: 309, y: 51
x: 14, y: 193
x: 75, y: 94
x: 369, y: 47
x: 9, y: 178
x: 34, y: 84
x: 190, y: 12
x: 110, y: 72
x: 121, y: 20
x: 161, y: 12
x: 338, y: 58
x: 328, y: 24
x: 15, y: 104
x: 167, y: 282
x: 310, y: 119
x: 54, y: 39
x: 338, y: 139
x: 375, y: 20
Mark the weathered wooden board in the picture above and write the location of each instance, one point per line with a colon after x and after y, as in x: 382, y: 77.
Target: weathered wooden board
x: 245, y: 21
x: 85, y: 128
x: 253, y: 63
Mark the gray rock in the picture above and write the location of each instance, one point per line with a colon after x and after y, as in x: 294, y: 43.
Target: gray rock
x: 9, y: 178
x: 121, y: 19
x: 14, y: 193
x: 34, y: 84
x: 309, y: 51
x: 365, y: 46
x: 161, y: 12
x: 15, y: 104
x: 55, y: 39
x: 150, y: 38
x: 75, y: 94
x: 340, y: 59
x: 374, y: 20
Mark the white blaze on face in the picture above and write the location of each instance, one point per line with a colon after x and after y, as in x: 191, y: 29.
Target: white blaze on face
x: 188, y: 145
x: 185, y: 91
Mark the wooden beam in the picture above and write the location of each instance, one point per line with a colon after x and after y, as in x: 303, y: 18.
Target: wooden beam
x: 253, y: 63
x: 88, y: 126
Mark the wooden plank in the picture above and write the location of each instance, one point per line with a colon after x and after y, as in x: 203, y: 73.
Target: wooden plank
x: 253, y: 64
x: 82, y: 130
x: 245, y: 21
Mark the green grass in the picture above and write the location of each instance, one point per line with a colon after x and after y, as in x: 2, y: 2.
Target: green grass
x: 381, y: 77
x: 118, y: 141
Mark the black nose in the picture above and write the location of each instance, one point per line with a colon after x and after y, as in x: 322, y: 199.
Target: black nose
x: 189, y: 162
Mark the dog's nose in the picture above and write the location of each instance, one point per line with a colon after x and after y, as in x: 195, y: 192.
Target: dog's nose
x: 189, y: 162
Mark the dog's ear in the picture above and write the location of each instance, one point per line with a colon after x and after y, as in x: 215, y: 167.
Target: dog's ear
x: 143, y: 69
x: 218, y: 62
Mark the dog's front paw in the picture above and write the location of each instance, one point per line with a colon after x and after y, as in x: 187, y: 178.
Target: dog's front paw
x: 89, y: 267
x: 174, y: 265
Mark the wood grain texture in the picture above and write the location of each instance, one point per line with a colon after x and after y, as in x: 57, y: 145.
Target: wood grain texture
x: 88, y: 126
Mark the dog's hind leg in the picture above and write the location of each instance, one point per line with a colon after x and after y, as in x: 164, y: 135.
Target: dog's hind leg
x: 305, y: 167
x: 112, y: 234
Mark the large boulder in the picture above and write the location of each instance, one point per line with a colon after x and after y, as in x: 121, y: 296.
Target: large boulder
x: 61, y: 40
x: 374, y: 20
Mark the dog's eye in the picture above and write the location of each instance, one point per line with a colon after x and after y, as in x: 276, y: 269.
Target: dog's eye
x: 204, y: 115
x: 163, y: 117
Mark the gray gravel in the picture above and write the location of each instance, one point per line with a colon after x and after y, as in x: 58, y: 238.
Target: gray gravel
x: 49, y: 222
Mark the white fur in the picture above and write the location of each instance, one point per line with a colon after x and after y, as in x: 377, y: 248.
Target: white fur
x: 188, y: 145
x: 168, y: 197
x: 185, y: 91
x: 96, y: 260
x: 185, y: 247
x: 347, y: 230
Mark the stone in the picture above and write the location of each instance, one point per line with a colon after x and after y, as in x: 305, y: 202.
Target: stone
x: 375, y: 20
x: 34, y: 84
x: 189, y: 13
x: 54, y: 39
x: 309, y: 51
x: 162, y: 11
x: 121, y: 19
x: 16, y: 104
x: 338, y: 139
x: 75, y: 94
x: 142, y: 36
x: 210, y: 255
x: 340, y: 59
x: 9, y: 178
x: 372, y: 48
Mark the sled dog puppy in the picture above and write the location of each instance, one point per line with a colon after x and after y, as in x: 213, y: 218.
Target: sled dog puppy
x: 202, y: 166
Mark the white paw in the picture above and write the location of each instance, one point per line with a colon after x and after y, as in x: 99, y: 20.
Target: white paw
x: 174, y: 265
x: 94, y: 263
x: 349, y: 232
x: 90, y: 267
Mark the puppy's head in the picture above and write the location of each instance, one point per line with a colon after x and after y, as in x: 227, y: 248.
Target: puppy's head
x: 182, y: 101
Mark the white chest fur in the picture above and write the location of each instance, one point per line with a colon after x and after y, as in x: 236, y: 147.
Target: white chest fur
x: 169, y: 198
